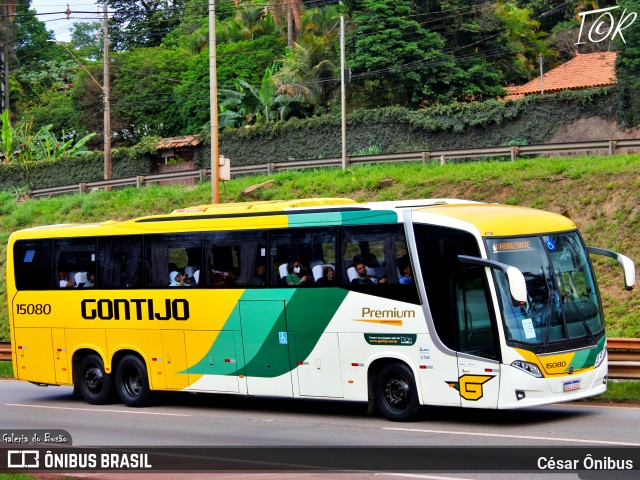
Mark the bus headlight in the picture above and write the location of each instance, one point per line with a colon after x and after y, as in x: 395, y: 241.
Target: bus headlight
x: 600, y: 358
x: 530, y: 368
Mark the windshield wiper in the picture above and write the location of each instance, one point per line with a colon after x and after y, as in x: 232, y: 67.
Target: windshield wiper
x: 578, y: 314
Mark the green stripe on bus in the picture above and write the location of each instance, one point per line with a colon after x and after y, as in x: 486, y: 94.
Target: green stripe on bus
x: 278, y: 327
x: 586, y: 358
x: 358, y: 217
x: 372, y: 216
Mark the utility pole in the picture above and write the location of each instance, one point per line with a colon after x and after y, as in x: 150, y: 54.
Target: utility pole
x: 7, y: 11
x: 4, y: 59
x: 213, y: 107
x: 343, y: 95
x: 541, y: 75
x: 105, y: 94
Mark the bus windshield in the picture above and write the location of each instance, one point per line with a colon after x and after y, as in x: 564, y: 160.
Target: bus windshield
x: 563, y: 303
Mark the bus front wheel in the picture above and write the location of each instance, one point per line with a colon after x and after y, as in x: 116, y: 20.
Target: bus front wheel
x: 93, y: 382
x: 396, y: 393
x: 132, y: 381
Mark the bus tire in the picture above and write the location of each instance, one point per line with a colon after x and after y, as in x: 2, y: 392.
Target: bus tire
x: 93, y: 382
x: 396, y: 393
x: 132, y: 381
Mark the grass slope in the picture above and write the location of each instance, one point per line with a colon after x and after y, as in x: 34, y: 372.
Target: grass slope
x: 601, y: 194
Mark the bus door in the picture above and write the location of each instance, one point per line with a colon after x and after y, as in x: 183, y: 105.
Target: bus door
x: 478, y: 350
x: 265, y: 340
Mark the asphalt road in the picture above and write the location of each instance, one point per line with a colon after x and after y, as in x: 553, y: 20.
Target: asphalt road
x: 184, y: 419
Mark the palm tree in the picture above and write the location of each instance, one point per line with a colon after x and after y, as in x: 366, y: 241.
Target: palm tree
x: 525, y: 37
x: 321, y: 21
x: 310, y: 70
x: 292, y: 11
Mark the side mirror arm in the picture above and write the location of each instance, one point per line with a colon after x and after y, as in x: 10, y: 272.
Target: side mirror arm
x: 627, y: 264
x: 517, y: 283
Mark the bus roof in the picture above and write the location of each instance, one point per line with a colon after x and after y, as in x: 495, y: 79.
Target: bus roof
x: 504, y: 220
x: 489, y: 219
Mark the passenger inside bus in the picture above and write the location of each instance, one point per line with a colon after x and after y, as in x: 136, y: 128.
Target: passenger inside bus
x: 223, y: 278
x: 297, y: 275
x: 406, y: 274
x: 177, y: 279
x: 84, y: 279
x: 260, y: 277
x: 327, y: 278
x: 63, y: 280
x: 362, y: 275
x: 373, y: 266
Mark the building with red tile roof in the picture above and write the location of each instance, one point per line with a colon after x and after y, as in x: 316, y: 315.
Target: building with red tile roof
x: 586, y: 70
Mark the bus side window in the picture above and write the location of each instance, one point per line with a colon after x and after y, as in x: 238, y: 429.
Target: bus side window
x: 306, y: 247
x: 120, y: 262
x: 171, y: 252
x: 231, y: 259
x: 76, y: 255
x: 383, y: 251
x: 33, y: 265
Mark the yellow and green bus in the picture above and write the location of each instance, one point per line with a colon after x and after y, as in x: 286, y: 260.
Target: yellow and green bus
x: 398, y: 304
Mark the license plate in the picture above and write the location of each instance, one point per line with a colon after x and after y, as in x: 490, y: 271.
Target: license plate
x: 572, y: 385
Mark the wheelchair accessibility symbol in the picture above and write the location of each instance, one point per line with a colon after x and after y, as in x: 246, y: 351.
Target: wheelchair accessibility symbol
x: 282, y: 337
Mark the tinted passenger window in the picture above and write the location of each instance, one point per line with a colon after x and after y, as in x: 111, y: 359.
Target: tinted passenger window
x: 235, y: 259
x: 33, y: 264
x: 75, y: 262
x: 310, y: 250
x: 119, y: 262
x: 375, y: 260
x: 168, y: 257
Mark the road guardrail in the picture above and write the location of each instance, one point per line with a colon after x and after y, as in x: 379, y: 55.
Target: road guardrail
x: 609, y: 147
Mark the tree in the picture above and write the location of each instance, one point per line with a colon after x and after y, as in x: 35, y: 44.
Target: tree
x: 142, y: 23
x: 246, y: 60
x: 39, y: 65
x: 395, y: 61
x: 33, y: 42
x: 291, y: 12
x: 85, y: 41
x: 56, y: 108
x: 628, y: 71
x: 250, y: 22
x: 311, y: 71
x: 142, y: 90
x: 527, y: 40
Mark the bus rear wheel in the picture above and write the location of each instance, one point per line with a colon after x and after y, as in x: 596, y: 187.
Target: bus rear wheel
x: 396, y: 393
x: 93, y: 382
x: 132, y: 381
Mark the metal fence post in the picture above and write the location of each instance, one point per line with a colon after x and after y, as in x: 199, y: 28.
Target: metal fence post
x: 514, y: 153
x: 426, y: 156
x: 203, y: 175
x: 613, y: 146
x: 82, y: 187
x: 139, y: 181
x: 271, y: 167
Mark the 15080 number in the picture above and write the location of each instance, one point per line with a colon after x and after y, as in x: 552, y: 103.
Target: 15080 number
x: 33, y: 309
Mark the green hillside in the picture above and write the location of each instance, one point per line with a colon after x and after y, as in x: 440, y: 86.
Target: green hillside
x: 601, y: 194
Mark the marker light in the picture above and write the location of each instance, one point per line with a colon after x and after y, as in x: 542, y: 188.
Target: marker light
x: 530, y: 368
x: 600, y: 358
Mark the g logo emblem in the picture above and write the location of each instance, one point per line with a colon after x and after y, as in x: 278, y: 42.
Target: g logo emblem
x: 470, y: 386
